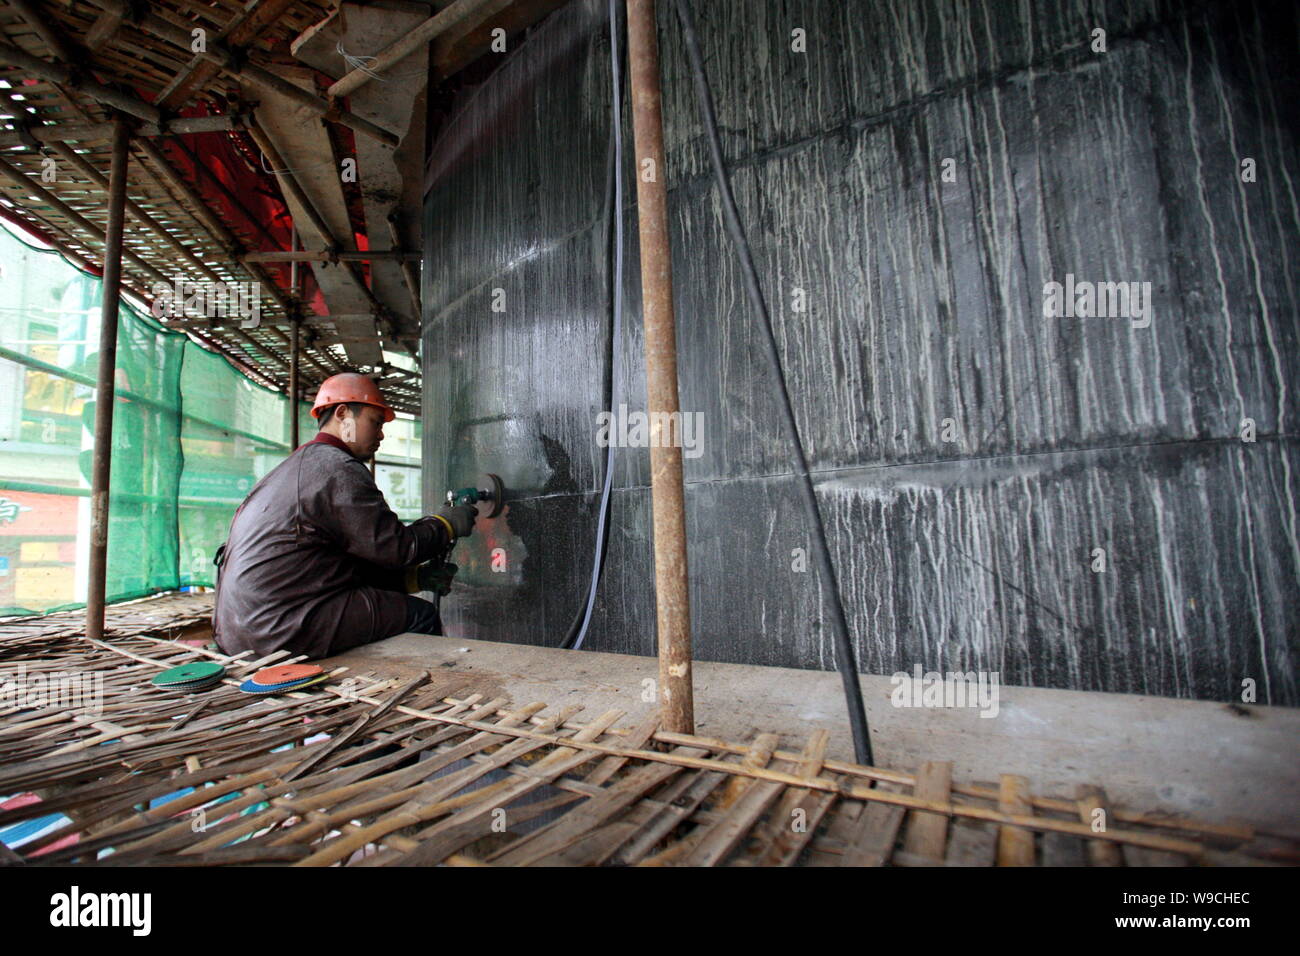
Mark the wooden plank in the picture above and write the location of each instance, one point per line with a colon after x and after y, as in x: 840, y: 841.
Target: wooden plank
x: 1015, y: 844
x: 1100, y: 852
x: 578, y: 849
x: 364, y: 721
x: 580, y: 821
x: 1061, y: 849
x: 723, y: 837
x: 449, y: 835
x: 756, y: 758
x: 102, y: 30
x: 972, y: 843
x: 781, y: 838
x: 643, y: 825
x: 927, y: 831
x: 433, y: 798
x: 671, y: 812
x: 874, y: 834
x: 1141, y: 856
x: 337, y: 787
x: 242, y: 31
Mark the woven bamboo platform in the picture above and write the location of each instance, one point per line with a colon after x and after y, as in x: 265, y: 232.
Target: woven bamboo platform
x: 372, y: 771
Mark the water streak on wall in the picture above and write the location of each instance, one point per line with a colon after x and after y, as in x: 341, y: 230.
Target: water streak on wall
x: 923, y: 321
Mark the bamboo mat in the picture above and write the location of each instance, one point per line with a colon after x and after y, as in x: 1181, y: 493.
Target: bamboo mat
x: 372, y: 771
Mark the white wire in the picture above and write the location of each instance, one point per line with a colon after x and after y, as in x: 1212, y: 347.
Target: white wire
x: 358, y: 62
x: 617, y: 213
x: 288, y: 169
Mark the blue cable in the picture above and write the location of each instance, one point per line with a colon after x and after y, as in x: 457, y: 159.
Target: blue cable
x: 617, y: 213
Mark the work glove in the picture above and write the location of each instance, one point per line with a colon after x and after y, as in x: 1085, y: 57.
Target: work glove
x: 433, y: 575
x: 437, y: 577
x: 460, y: 517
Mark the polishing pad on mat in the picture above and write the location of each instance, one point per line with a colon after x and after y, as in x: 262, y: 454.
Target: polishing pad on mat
x: 250, y: 687
x: 189, y: 674
x: 286, y: 674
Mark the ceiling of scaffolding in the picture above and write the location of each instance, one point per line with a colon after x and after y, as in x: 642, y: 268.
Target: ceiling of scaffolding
x: 276, y: 160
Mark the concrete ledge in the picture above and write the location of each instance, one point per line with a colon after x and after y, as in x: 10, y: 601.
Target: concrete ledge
x: 1216, y: 762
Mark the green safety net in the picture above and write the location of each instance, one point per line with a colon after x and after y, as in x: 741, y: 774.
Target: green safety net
x: 191, y: 436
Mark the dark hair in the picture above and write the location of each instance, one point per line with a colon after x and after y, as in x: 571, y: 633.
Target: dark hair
x: 328, y: 412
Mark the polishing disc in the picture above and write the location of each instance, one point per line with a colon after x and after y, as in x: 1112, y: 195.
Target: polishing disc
x: 189, y: 673
x: 286, y: 674
x: 195, y: 686
x: 192, y: 685
x: 250, y: 687
x: 498, y: 489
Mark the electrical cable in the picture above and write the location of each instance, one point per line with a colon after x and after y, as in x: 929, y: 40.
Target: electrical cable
x: 362, y: 63
x: 614, y: 288
x: 844, y: 655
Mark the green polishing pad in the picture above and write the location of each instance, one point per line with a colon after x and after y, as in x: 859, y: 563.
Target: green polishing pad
x: 177, y: 677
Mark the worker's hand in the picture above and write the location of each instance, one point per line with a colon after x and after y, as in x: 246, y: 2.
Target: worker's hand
x: 460, y: 517
x: 437, y: 576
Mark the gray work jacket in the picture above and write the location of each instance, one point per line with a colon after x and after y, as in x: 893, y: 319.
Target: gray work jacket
x: 297, y: 570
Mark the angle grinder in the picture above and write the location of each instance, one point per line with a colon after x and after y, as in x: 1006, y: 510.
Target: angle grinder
x: 436, y: 575
x: 495, y: 493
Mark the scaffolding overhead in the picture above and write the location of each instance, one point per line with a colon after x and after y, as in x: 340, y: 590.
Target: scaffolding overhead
x: 240, y: 137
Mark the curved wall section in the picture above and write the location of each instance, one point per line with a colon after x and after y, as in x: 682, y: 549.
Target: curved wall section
x: 1064, y: 499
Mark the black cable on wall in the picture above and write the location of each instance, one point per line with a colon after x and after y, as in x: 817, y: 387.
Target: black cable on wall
x: 844, y: 656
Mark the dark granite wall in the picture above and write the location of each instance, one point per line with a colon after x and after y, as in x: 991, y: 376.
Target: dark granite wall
x: 923, y: 301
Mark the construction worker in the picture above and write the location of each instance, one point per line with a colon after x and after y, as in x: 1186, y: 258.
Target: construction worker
x: 316, y: 561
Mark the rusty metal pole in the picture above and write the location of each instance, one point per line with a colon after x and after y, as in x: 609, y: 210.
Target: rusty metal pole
x: 104, y: 387
x: 672, y: 598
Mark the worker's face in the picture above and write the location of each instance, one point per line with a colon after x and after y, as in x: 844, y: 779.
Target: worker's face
x: 369, y: 430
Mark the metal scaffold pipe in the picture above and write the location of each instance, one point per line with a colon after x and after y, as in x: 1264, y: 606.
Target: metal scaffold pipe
x: 672, y: 596
x: 104, y: 385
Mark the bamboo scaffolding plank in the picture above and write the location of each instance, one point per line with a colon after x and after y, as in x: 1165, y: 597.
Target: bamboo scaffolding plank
x: 1015, y: 845
x: 973, y: 843
x: 365, y: 720
x: 795, y: 820
x: 876, y: 834
x: 596, y: 846
x: 1234, y: 831
x: 447, y: 836
x: 1061, y: 849
x: 1091, y: 800
x: 425, y: 802
x: 723, y: 836
x: 592, y: 813
x: 927, y: 832
x: 756, y: 759
x: 858, y: 791
x: 329, y: 787
x: 674, y: 810
x: 401, y: 773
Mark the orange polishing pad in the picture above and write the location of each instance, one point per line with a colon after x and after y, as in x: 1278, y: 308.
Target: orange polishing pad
x: 286, y: 673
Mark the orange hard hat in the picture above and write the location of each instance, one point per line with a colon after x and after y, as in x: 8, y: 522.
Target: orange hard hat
x: 348, y: 387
